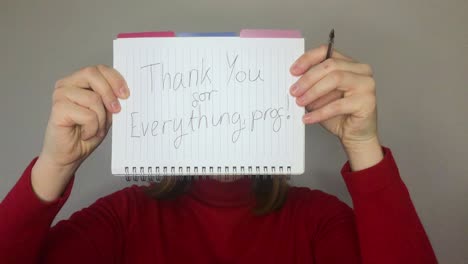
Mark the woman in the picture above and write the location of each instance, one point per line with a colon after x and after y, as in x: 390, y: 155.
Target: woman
x: 209, y: 221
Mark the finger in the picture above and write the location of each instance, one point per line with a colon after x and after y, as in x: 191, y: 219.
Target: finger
x: 116, y: 81
x: 91, y: 78
x: 70, y: 114
x: 85, y: 98
x: 326, y: 99
x: 343, y: 106
x: 313, y: 57
x: 347, y: 82
x: 319, y: 71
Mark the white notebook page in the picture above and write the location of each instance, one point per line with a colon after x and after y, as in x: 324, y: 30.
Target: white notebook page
x: 208, y: 105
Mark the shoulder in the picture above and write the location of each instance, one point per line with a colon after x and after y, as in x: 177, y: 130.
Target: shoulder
x: 123, y: 208
x: 126, y: 197
x: 306, y: 197
x: 124, y: 204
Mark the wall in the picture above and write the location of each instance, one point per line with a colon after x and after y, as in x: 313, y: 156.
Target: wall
x: 418, y: 50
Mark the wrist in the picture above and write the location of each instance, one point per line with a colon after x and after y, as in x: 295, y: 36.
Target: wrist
x: 363, y: 154
x: 49, y: 180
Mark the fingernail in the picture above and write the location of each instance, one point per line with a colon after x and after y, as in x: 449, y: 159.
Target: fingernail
x: 295, y: 67
x: 308, y: 119
x: 115, y: 106
x: 123, y: 92
x: 294, y: 89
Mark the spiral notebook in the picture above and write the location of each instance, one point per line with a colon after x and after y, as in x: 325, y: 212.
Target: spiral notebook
x: 208, y: 104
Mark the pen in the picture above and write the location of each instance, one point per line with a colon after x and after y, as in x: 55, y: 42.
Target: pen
x: 331, y: 39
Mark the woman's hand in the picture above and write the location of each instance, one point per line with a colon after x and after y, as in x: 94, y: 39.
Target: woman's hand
x: 339, y: 93
x: 82, y: 107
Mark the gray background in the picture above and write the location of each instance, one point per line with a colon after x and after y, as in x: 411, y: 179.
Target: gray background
x: 418, y: 50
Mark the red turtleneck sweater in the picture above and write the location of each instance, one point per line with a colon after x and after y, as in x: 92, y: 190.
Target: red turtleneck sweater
x: 213, y: 223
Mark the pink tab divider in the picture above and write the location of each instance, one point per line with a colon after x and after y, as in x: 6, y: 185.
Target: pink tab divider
x: 154, y: 34
x: 269, y: 33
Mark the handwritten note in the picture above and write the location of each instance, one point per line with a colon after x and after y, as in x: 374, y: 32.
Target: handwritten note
x: 208, y: 103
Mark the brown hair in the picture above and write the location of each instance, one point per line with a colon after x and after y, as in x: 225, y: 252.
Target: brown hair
x: 270, y: 192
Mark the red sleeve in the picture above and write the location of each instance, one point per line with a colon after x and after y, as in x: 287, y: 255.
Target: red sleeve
x: 91, y: 235
x: 389, y: 229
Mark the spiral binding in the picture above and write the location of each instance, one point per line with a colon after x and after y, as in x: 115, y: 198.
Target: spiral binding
x: 156, y: 174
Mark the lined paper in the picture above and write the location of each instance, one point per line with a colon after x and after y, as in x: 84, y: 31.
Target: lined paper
x: 217, y: 105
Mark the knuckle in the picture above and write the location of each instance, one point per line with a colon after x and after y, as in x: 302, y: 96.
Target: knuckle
x: 57, y: 95
x: 91, y: 117
x: 102, y: 66
x: 305, y: 98
x: 306, y: 79
x: 94, y: 98
x: 372, y: 100
x: 58, y: 106
x: 330, y: 64
x: 306, y: 56
x: 335, y: 108
x: 59, y: 84
x: 90, y: 70
x: 108, y: 98
x: 371, y: 84
x: 106, y: 94
x: 323, y: 47
x: 368, y: 69
x: 337, y: 76
x: 120, y: 82
x: 323, y: 112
